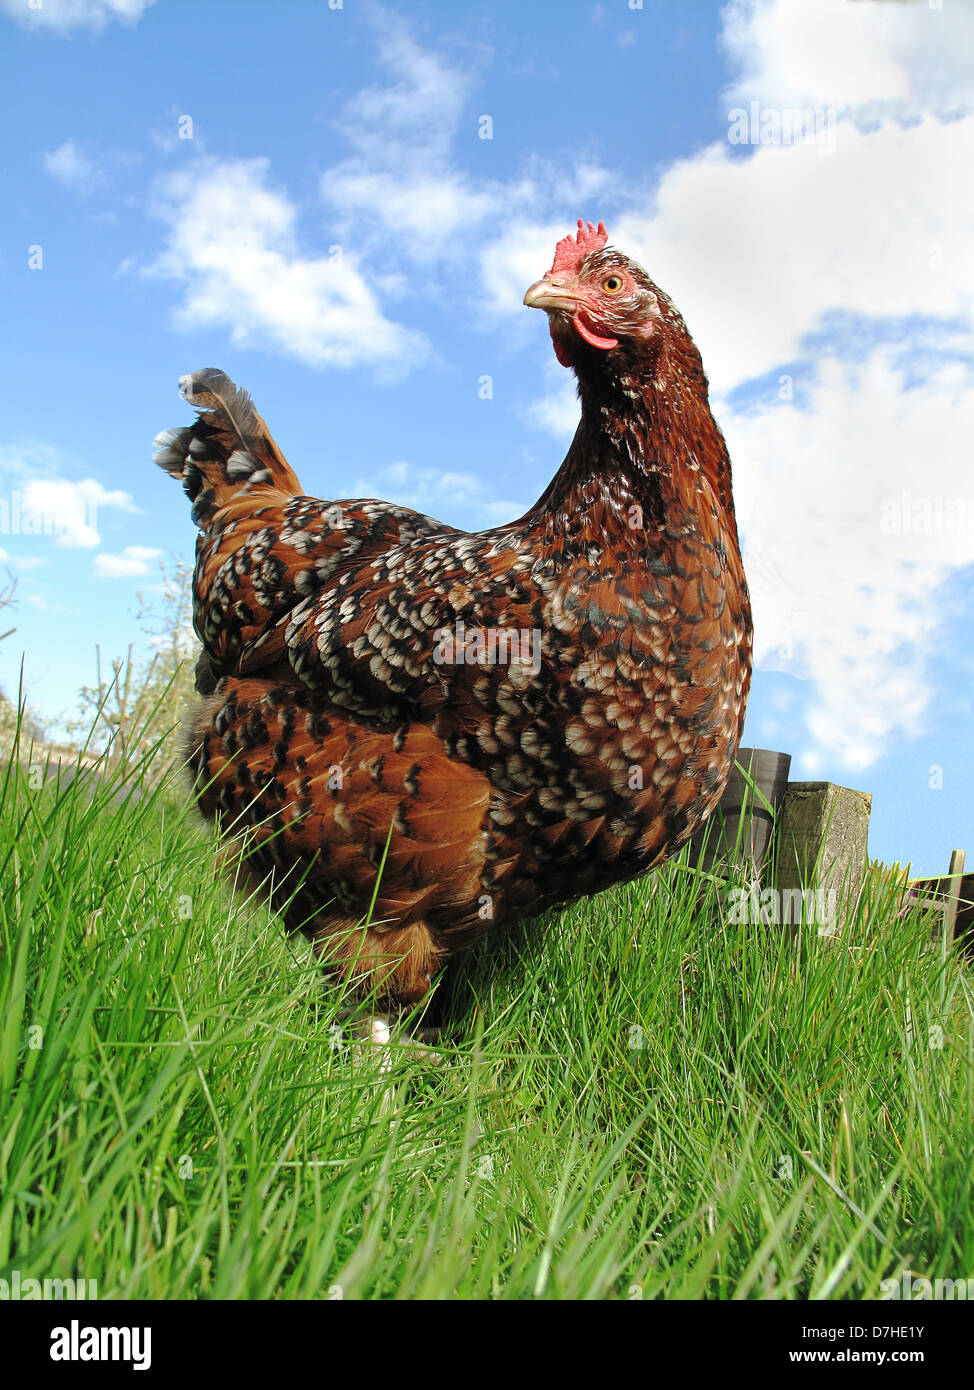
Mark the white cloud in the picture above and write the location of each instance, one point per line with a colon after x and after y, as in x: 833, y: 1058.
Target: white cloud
x: 21, y: 563
x: 872, y: 58
x: 394, y: 202
x: 67, y: 511
x: 399, y: 204
x: 558, y: 410
x: 134, y: 560
x: 846, y: 583
x: 401, y: 186
x: 63, y: 16
x: 425, y: 212
x: 72, y: 168
x: 233, y: 246
x: 404, y: 192
x: 28, y: 456
x: 421, y: 105
x: 36, y: 503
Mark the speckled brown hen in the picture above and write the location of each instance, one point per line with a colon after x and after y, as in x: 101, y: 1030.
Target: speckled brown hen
x: 502, y: 721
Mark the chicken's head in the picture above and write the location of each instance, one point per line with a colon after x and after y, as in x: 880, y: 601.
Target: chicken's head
x: 595, y: 298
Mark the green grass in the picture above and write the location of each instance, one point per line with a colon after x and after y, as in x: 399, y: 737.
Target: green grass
x: 640, y: 1098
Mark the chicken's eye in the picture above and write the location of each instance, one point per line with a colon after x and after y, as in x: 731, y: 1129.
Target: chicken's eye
x: 612, y: 283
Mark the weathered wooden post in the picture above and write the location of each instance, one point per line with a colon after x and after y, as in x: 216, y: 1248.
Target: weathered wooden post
x: 955, y: 876
x: 822, y: 844
x: 952, y: 897
x: 742, y: 826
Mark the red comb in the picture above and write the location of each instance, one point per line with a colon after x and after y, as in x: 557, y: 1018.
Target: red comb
x: 569, y: 253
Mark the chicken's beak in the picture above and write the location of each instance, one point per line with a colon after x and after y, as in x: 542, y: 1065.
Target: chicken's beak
x: 545, y: 295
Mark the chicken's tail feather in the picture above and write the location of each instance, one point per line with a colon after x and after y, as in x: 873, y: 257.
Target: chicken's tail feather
x: 229, y: 449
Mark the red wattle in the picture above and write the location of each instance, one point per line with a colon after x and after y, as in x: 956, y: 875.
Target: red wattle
x: 593, y: 338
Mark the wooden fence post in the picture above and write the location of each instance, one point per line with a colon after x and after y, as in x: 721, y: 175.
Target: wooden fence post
x: 822, y: 840
x: 952, y: 900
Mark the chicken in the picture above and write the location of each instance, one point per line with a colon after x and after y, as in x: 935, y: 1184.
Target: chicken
x: 423, y: 734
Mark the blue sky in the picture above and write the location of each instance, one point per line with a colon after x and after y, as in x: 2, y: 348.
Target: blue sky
x: 302, y: 195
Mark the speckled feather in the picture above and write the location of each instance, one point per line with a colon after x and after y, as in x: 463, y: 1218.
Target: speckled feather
x: 335, y: 733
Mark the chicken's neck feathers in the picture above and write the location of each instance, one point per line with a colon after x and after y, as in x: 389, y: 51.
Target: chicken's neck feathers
x: 645, y: 448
